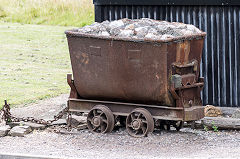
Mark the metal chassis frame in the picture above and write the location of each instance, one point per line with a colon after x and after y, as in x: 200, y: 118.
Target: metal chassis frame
x: 123, y: 109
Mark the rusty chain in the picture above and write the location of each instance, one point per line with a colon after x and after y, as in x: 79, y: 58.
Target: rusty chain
x: 8, y: 117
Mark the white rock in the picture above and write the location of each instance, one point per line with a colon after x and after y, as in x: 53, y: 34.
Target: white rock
x: 59, y: 122
x: 115, y: 32
x: 153, y: 31
x: 104, y: 33
x: 135, y: 37
x: 4, y: 130
x: 141, y: 28
x: 181, y: 26
x: 81, y: 127
x: 78, y: 120
x: 147, y: 21
x: 141, y: 31
x: 198, y: 30
x: 101, y: 28
x: 2, y: 121
x: 34, y: 126
x: 126, y: 33
x: 12, y: 124
x: 151, y: 36
x: 117, y: 23
x: 164, y: 28
x: 130, y: 27
x: 166, y: 36
x: 186, y: 32
x: 81, y: 119
x: 106, y: 22
x: 20, y: 131
x: 170, y: 26
x: 164, y: 22
x: 85, y: 29
x: 193, y: 29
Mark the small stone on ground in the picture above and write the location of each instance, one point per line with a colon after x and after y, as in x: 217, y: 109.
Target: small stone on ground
x: 81, y: 119
x: 212, y: 111
x: 78, y: 120
x: 60, y: 122
x: 20, y: 131
x: 4, y: 130
x: 12, y: 124
x: 34, y: 126
x: 82, y: 126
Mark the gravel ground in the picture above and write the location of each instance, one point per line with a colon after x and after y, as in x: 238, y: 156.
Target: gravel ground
x: 187, y: 143
x: 45, y: 109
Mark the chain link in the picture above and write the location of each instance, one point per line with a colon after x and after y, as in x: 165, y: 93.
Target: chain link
x: 8, y: 117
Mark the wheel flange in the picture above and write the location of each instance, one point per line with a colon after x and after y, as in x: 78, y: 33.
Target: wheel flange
x: 100, y: 119
x: 139, y: 122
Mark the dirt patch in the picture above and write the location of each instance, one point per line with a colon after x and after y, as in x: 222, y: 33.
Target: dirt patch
x: 45, y: 109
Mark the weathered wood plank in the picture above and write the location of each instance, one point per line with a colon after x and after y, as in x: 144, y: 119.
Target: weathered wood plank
x: 222, y: 122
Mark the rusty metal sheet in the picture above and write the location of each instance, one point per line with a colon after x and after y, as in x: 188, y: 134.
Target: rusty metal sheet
x: 127, y: 70
x: 193, y: 113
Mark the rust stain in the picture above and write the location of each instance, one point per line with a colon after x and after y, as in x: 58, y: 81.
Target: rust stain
x: 182, y: 54
x: 85, y: 58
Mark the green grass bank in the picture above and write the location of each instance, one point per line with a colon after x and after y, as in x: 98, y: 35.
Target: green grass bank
x: 34, y: 62
x: 48, y: 12
x: 34, y: 58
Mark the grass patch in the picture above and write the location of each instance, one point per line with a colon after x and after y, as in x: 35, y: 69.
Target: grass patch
x: 49, y: 12
x: 34, y: 62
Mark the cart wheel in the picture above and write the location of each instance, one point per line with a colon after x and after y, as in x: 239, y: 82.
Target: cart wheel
x: 139, y: 122
x: 178, y: 125
x: 100, y: 119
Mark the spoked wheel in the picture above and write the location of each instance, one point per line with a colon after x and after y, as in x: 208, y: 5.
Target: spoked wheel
x: 100, y: 119
x: 178, y: 125
x: 139, y: 122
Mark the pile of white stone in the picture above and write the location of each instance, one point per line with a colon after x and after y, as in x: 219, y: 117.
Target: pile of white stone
x: 22, y: 128
x: 140, y: 29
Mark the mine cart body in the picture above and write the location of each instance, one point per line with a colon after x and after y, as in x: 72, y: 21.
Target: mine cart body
x: 123, y: 74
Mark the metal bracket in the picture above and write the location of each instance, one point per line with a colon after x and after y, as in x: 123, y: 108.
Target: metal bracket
x: 73, y: 92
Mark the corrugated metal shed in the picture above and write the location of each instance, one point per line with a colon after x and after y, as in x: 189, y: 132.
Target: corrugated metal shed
x: 219, y: 18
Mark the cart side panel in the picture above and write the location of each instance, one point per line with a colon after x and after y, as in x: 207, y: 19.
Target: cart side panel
x: 120, y: 70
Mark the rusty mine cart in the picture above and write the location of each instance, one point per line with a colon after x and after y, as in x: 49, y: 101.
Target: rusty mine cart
x: 137, y: 82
